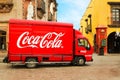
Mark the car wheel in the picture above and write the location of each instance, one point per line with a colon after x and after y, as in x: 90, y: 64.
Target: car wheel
x: 31, y: 63
x: 80, y: 61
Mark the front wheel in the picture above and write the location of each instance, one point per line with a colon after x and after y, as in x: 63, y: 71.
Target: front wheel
x: 80, y: 61
x: 31, y: 63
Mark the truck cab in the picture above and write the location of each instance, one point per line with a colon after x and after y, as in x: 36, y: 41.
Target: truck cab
x: 83, y: 49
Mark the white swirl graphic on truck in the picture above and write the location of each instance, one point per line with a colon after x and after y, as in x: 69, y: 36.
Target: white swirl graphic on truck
x: 49, y: 40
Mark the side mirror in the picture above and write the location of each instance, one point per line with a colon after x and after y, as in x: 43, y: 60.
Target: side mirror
x: 88, y: 47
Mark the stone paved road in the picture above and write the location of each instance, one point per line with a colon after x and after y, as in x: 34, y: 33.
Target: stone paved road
x: 102, y: 68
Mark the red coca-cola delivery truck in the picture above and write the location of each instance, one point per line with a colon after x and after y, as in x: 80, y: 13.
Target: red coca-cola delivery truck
x: 34, y: 42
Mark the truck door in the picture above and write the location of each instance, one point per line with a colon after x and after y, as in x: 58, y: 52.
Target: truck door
x: 82, y: 46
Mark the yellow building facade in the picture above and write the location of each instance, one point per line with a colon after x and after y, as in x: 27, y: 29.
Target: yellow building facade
x: 103, y: 15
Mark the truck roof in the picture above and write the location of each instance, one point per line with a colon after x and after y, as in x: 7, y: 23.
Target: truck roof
x: 79, y: 34
x: 39, y: 22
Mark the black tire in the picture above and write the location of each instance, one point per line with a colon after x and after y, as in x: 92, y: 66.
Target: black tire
x: 80, y: 61
x: 31, y: 63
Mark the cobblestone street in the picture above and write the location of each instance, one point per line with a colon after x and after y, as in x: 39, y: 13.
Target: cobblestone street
x: 102, y: 68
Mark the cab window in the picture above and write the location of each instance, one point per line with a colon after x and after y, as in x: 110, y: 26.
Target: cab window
x: 84, y: 43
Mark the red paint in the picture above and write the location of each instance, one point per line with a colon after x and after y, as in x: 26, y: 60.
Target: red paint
x: 101, y: 33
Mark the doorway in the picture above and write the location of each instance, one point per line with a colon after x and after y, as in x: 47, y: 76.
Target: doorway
x: 2, y: 40
x: 113, y: 42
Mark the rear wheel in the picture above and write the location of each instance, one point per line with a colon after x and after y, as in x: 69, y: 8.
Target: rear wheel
x: 31, y: 63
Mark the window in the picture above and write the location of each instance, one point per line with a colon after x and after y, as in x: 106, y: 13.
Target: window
x: 84, y: 43
x: 41, y: 5
x: 88, y: 24
x: 115, y: 15
x: 40, y: 8
x: 86, y: 29
x: 2, y: 40
x: 114, y: 20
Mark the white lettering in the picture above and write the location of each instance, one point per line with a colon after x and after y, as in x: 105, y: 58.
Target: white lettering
x: 49, y: 40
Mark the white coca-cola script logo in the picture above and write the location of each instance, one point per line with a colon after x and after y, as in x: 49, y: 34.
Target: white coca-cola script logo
x: 49, y: 40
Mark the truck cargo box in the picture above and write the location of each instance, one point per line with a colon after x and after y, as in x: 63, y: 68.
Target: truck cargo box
x: 28, y: 37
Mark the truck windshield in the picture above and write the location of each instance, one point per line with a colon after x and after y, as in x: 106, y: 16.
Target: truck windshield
x: 84, y: 43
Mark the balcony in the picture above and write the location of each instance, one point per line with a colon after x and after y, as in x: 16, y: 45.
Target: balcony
x: 6, y: 6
